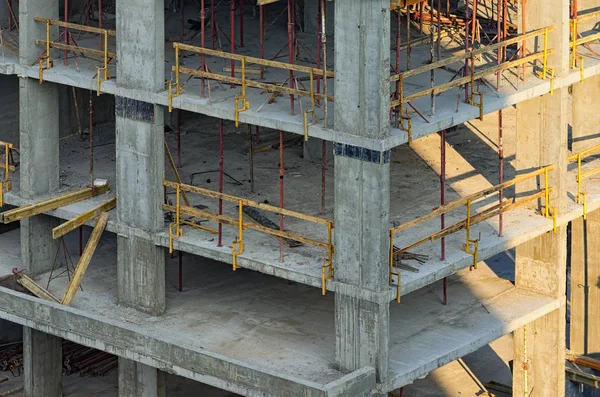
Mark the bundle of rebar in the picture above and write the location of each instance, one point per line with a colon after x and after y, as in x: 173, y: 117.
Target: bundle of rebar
x: 76, y: 359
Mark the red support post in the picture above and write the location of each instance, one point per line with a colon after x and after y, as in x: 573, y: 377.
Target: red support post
x: 261, y: 38
x: 442, y: 202
x: 281, y: 174
x: 241, y: 23
x: 291, y: 49
x: 221, y: 132
x: 232, y: 35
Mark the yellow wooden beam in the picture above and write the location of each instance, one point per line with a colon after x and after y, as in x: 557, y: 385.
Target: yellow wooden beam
x: 85, y: 259
x: 83, y: 218
x: 36, y: 289
x: 50, y: 204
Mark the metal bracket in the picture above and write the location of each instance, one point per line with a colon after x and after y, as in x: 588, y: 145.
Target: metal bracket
x: 314, y: 120
x: 408, y: 128
x: 237, y: 247
x: 238, y: 109
x: 478, y: 104
x: 173, y: 93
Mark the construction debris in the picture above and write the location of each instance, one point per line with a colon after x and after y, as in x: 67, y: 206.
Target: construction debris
x: 256, y: 216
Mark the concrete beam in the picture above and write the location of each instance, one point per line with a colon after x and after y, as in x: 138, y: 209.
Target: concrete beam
x: 168, y: 353
x: 42, y: 364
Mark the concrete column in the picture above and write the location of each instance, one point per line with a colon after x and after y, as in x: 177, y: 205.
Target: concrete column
x: 42, y: 362
x: 140, y: 155
x: 585, y: 284
x: 38, y: 135
x: 540, y: 264
x: 585, y: 123
x: 140, y: 170
x: 139, y: 380
x: 362, y: 179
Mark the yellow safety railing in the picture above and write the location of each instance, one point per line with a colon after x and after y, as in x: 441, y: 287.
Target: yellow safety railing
x: 46, y: 62
x: 5, y: 185
x: 241, y: 102
x: 576, y: 41
x: 581, y: 175
x: 472, y: 75
x: 471, y: 246
x: 238, y: 246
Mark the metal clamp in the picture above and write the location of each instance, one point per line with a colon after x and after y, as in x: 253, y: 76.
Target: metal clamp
x: 327, y: 270
x: 468, y: 241
x: 237, y: 247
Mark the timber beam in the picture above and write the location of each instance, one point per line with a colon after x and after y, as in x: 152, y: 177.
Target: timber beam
x: 83, y: 218
x: 52, y: 203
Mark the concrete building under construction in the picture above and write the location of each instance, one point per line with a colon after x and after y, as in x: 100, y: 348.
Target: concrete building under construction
x: 299, y: 197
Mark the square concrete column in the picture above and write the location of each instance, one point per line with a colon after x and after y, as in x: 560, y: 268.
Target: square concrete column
x: 139, y: 380
x: 362, y: 179
x: 585, y: 288
x: 585, y: 121
x: 39, y: 139
x: 540, y: 264
x: 42, y: 364
x: 140, y: 155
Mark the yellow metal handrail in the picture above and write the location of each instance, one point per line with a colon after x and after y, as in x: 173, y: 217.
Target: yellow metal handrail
x: 398, y: 79
x: 238, y: 246
x: 46, y: 62
x: 576, y: 41
x: 241, y: 103
x: 472, y: 219
x: 583, y: 175
x: 5, y: 185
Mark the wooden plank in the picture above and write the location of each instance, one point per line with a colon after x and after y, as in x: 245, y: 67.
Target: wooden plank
x: 234, y: 199
x: 83, y: 50
x: 507, y: 205
x: 250, y: 83
x: 175, y: 172
x: 585, y: 153
x: 36, y: 289
x: 467, y: 79
x: 462, y: 57
x: 588, y: 39
x: 584, y: 361
x: 85, y: 259
x: 52, y: 203
x: 475, y: 196
x: 589, y: 173
x: 83, y: 28
x: 83, y: 218
x: 587, y: 15
x: 257, y: 61
x: 198, y: 213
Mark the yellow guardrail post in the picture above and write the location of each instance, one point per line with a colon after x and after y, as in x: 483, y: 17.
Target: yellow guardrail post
x: 178, y: 89
x: 46, y: 57
x: 584, y: 206
x: 578, y: 177
x: 237, y: 247
x: 327, y: 270
x: 103, y: 73
x: 468, y: 241
x: 310, y: 111
x: 175, y: 228
x: 5, y: 185
x: 245, y: 105
x: 546, y: 194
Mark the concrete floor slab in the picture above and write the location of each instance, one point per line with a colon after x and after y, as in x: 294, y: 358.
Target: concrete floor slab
x: 219, y: 101
x: 245, y: 332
